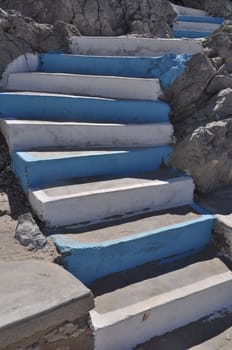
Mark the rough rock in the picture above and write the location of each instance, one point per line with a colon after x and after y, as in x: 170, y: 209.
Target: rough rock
x: 214, y: 7
x: 201, y: 101
x: 220, y: 42
x: 187, y: 91
x: 207, y: 155
x: 19, y: 35
x: 101, y: 17
x: 219, y: 8
x: 28, y: 232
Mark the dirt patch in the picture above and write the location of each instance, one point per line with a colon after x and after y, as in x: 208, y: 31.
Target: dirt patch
x: 12, y: 204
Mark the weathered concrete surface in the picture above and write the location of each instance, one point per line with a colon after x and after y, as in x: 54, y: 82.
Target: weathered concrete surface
x: 86, y: 85
x: 78, y: 203
x: 35, y: 297
x: 101, y: 17
x: 25, y: 134
x: 220, y: 204
x: 156, y: 305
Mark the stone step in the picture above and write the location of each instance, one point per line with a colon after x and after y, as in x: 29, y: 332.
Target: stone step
x: 196, y: 26
x: 54, y: 107
x: 129, y: 46
x: 39, y: 168
x: 188, y: 11
x: 25, y: 134
x: 90, y: 201
x: 86, y: 85
x: 35, y: 299
x: 200, y: 19
x: 94, y: 252
x: 194, y: 34
x: 148, y: 306
x: 166, y: 68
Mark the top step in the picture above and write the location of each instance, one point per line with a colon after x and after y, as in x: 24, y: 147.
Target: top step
x: 129, y: 46
x: 188, y: 11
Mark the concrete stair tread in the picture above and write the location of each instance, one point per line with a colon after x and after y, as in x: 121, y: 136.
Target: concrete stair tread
x: 34, y: 295
x: 196, y: 26
x: 130, y: 46
x: 25, y: 134
x: 154, y: 191
x: 158, y: 285
x: 122, y: 228
x: 106, y: 184
x: 158, y: 304
x: 188, y: 11
x: 86, y: 85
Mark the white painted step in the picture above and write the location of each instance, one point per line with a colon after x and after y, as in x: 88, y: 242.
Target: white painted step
x: 86, y: 85
x: 76, y: 203
x: 129, y: 46
x: 25, y: 134
x: 196, y: 26
x: 134, y: 313
x: 188, y: 11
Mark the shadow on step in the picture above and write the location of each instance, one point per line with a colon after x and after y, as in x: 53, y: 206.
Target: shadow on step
x: 147, y: 271
x: 208, y: 333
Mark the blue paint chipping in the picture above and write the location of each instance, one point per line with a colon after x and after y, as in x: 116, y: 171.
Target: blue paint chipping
x: 166, y: 68
x: 201, y: 19
x: 83, y: 109
x: 40, y: 172
x: 89, y: 262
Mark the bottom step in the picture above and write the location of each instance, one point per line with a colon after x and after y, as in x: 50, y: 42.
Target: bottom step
x: 139, y: 310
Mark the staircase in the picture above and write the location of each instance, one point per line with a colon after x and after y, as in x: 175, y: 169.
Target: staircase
x: 90, y: 141
x: 192, y: 23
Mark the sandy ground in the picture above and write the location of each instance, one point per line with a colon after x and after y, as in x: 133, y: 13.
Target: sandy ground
x: 12, y: 204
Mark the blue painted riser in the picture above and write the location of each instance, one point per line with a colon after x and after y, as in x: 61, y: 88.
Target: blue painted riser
x: 179, y: 33
x: 166, y: 68
x: 44, y: 107
x: 89, y: 262
x: 201, y: 19
x: 36, y: 173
